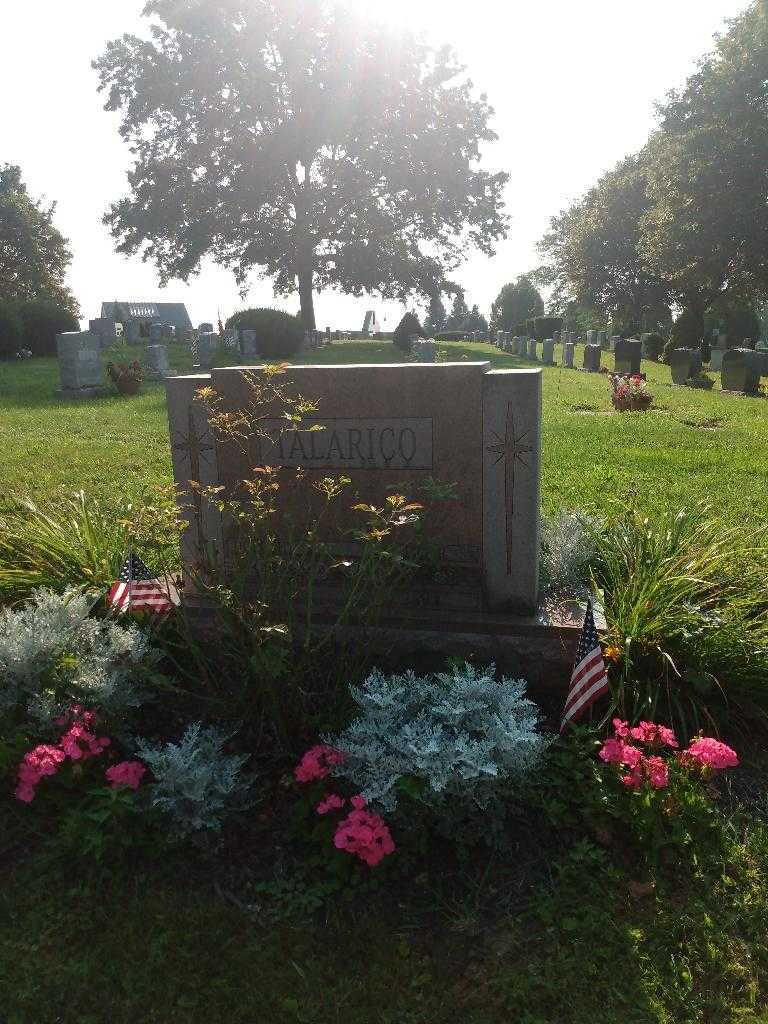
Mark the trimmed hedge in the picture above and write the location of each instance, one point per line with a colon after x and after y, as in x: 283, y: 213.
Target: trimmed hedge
x: 545, y: 326
x: 278, y: 334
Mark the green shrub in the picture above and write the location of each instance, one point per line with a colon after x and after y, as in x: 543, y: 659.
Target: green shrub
x: 654, y: 345
x: 10, y: 330
x: 278, y: 334
x: 687, y: 332
x: 41, y: 321
x: 405, y: 330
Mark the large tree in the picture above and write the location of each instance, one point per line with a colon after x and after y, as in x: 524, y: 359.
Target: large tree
x: 34, y: 256
x: 706, y: 228
x: 517, y: 301
x: 301, y: 140
x: 594, y: 252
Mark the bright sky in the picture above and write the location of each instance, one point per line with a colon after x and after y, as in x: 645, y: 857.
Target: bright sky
x: 573, y: 86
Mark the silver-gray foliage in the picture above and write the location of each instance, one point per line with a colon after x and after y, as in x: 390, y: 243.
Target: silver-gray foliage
x: 567, y: 549
x: 454, y: 736
x: 52, y: 651
x: 195, y: 783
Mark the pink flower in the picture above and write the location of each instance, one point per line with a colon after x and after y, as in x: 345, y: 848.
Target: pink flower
x: 616, y: 751
x: 634, y: 779
x: 126, y: 773
x: 710, y: 753
x: 358, y: 802
x: 653, y: 735
x: 79, y: 743
x: 42, y: 760
x: 332, y: 802
x: 657, y: 772
x: 365, y: 835
x: 620, y: 729
x: 317, y: 763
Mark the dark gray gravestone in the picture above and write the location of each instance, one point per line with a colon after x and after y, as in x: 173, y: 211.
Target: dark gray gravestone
x: 684, y: 363
x: 548, y: 351
x: 741, y: 370
x: 592, y: 355
x: 80, y: 370
x: 628, y: 353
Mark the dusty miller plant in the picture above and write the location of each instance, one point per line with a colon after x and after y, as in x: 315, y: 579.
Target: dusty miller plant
x: 453, y: 740
x: 196, y: 784
x: 567, y: 550
x: 53, y: 652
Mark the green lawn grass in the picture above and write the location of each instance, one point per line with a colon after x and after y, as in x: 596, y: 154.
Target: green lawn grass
x: 692, y: 445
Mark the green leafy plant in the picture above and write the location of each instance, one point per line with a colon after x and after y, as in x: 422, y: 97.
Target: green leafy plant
x: 126, y: 377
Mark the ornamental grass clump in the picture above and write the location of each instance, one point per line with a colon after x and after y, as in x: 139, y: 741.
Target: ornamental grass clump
x: 453, y: 743
x: 686, y: 605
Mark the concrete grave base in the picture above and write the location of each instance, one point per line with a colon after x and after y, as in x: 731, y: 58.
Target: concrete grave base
x: 77, y: 393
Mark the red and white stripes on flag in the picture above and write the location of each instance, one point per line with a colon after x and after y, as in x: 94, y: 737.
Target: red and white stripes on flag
x: 137, y: 588
x: 589, y: 679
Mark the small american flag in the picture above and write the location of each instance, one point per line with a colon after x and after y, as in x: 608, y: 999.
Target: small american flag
x: 589, y: 679
x: 138, y: 587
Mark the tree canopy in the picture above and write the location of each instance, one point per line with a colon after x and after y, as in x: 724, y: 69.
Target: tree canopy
x: 301, y: 140
x: 517, y: 301
x: 684, y: 221
x: 34, y: 256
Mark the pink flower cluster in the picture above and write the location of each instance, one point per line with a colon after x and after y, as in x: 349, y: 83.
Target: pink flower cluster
x: 126, y: 773
x: 317, y: 763
x: 710, y: 754
x: 364, y: 834
x: 78, y: 743
x: 361, y: 833
x: 644, y: 766
x: 43, y: 760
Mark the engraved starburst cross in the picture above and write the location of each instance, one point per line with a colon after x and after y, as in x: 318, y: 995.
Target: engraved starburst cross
x: 193, y: 447
x: 511, y: 449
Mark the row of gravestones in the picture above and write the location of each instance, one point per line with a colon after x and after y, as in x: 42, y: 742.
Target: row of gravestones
x: 627, y: 351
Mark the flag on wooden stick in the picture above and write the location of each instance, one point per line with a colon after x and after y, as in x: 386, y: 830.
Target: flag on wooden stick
x: 589, y: 679
x: 138, y: 588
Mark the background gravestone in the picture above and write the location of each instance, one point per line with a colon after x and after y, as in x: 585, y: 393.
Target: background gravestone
x: 684, y: 363
x: 248, y: 345
x: 592, y: 354
x: 717, y: 352
x: 741, y: 370
x: 548, y: 352
x: 155, y: 333
x: 132, y: 331
x: 207, y: 346
x: 80, y: 371
x: 592, y: 337
x: 628, y: 354
x: 156, y: 362
x: 569, y: 350
x: 424, y: 350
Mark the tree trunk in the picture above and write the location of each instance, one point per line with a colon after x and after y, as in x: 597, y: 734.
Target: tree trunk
x: 306, y: 299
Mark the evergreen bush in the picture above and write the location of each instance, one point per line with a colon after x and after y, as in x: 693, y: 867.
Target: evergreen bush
x: 545, y: 326
x: 654, y: 345
x: 405, y: 330
x: 278, y: 334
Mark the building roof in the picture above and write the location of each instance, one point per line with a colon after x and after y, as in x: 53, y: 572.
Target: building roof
x: 158, y: 312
